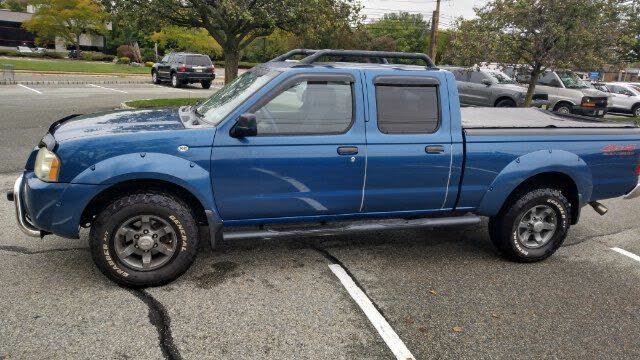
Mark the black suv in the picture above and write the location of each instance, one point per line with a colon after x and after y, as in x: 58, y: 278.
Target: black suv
x: 184, y: 68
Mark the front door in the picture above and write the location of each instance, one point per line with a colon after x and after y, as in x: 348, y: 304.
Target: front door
x: 409, y: 147
x: 308, y: 158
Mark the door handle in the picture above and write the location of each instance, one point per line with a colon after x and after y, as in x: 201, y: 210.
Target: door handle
x: 434, y: 149
x: 347, y: 150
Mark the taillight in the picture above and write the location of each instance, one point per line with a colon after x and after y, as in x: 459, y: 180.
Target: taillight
x: 182, y: 67
x: 211, y: 68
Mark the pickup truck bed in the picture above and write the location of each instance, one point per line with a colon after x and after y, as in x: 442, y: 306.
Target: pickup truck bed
x: 514, y: 118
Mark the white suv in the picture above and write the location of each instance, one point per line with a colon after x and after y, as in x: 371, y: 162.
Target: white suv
x: 625, y: 98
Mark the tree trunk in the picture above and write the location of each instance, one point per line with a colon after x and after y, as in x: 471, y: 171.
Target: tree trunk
x: 231, y: 60
x: 535, y: 73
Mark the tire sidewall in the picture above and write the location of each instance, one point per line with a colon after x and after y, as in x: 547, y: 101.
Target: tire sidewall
x: 104, y: 250
x: 563, y: 106
x: 174, y: 81
x: 563, y: 215
x: 506, y: 103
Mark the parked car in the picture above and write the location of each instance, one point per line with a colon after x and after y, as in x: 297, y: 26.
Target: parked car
x: 74, y: 54
x: 492, y: 88
x: 184, y: 68
x: 600, y: 86
x: 384, y: 146
x: 24, y: 49
x: 625, y: 98
x: 568, y: 94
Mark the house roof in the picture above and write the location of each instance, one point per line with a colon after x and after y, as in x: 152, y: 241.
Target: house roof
x: 13, y: 16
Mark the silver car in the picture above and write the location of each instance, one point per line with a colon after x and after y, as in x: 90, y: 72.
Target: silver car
x: 568, y: 94
x: 491, y: 88
x: 625, y: 98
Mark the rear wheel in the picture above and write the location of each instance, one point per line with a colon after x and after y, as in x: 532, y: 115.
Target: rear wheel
x: 144, y: 239
x: 563, y: 108
x: 206, y: 84
x: 175, y: 82
x: 636, y: 111
x: 532, y: 226
x: 506, y: 103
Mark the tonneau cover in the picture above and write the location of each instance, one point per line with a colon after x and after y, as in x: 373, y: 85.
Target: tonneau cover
x: 510, y: 118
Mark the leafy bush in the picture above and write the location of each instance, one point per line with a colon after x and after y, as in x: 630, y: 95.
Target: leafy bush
x: 241, y: 65
x: 48, y: 54
x: 149, y: 64
x: 96, y: 56
x: 124, y: 60
x: 148, y: 54
x: 125, y: 51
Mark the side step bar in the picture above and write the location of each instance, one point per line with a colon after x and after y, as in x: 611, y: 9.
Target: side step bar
x: 353, y: 227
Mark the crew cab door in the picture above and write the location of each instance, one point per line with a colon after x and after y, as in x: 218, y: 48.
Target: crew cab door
x: 409, y: 152
x: 308, y: 158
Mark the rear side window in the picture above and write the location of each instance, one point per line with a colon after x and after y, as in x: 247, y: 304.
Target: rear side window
x: 198, y: 60
x: 407, y: 109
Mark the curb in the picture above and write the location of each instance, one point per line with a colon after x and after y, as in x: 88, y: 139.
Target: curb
x: 124, y: 106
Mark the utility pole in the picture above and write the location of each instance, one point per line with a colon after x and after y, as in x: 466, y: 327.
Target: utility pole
x: 434, y: 32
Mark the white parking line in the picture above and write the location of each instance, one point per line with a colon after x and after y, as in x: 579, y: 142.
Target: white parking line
x: 106, y: 88
x: 385, y: 330
x: 28, y: 88
x: 172, y: 88
x: 626, y: 253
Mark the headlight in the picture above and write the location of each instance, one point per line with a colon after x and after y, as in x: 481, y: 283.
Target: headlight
x: 47, y: 166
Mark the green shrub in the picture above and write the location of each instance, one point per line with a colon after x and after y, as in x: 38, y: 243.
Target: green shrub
x: 148, y: 54
x: 149, y: 64
x: 49, y: 54
x: 241, y: 65
x: 125, y: 51
x: 96, y: 56
x: 124, y: 60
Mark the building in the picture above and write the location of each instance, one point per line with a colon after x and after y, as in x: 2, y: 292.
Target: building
x: 12, y: 34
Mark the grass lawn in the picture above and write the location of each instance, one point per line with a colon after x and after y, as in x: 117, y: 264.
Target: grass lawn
x: 624, y: 119
x: 73, y: 66
x: 160, y: 103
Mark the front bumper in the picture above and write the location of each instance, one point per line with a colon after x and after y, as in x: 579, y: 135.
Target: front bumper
x: 23, y: 222
x: 589, y: 111
x: 633, y: 193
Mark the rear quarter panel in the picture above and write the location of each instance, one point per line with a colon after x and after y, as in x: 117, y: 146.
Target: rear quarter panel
x: 497, y: 163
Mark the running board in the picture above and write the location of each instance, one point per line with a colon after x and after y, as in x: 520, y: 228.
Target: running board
x: 353, y: 227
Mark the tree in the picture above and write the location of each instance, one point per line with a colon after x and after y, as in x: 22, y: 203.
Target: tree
x: 187, y: 39
x: 408, y: 31
x: 543, y: 34
x: 235, y: 24
x: 14, y: 5
x: 67, y: 19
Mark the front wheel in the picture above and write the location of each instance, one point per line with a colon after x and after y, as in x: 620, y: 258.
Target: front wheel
x: 144, y: 239
x: 636, y: 111
x: 564, y: 109
x: 506, y: 103
x: 532, y: 226
x: 155, y: 78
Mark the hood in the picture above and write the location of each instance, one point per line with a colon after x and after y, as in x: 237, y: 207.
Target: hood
x: 593, y: 93
x: 117, y: 122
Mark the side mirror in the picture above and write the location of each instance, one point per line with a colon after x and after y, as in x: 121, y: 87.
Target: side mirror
x: 245, y: 126
x: 487, y: 82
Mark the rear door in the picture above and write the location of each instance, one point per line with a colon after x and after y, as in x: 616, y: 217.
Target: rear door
x: 308, y: 158
x: 409, y: 152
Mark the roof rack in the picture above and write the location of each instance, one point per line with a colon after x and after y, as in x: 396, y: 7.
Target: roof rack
x: 313, y: 55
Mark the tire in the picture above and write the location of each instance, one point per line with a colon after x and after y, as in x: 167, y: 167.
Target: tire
x: 206, y: 84
x: 636, y: 111
x: 155, y: 78
x: 506, y: 232
x: 506, y: 103
x: 109, y: 240
x: 175, y: 82
x: 563, y: 108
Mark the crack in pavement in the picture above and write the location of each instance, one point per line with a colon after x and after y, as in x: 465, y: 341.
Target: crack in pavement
x: 591, y: 237
x: 159, y: 317
x: 335, y: 260
x: 25, y: 251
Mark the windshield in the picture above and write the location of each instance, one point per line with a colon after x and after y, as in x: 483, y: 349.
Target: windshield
x: 223, y: 102
x: 500, y: 77
x: 571, y: 80
x: 632, y: 89
x: 636, y: 88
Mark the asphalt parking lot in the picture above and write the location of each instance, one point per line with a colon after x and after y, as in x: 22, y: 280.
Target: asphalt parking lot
x: 444, y: 292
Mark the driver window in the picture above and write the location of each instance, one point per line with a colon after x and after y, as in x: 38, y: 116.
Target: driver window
x: 477, y: 77
x: 308, y: 107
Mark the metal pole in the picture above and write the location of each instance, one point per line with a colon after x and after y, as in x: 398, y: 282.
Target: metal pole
x: 434, y: 31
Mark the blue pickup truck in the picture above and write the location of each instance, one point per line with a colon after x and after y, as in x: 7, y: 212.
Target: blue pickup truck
x: 311, y: 147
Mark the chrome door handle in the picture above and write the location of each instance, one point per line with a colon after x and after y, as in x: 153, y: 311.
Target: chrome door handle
x: 347, y: 150
x: 434, y: 149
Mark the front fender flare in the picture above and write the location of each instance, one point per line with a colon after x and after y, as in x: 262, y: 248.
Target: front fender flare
x: 152, y: 166
x: 530, y: 165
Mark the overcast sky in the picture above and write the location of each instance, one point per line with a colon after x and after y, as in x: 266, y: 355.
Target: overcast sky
x: 449, y: 9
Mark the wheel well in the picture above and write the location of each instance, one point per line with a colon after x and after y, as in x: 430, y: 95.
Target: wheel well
x: 104, y: 198
x: 558, y: 180
x: 560, y: 103
x: 503, y: 98
x: 635, y: 106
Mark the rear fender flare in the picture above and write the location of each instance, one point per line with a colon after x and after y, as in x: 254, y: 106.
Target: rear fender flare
x: 530, y: 165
